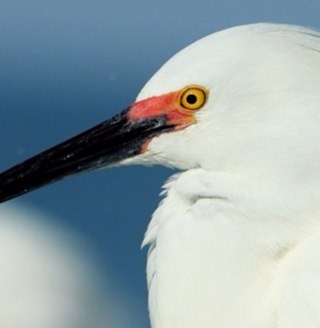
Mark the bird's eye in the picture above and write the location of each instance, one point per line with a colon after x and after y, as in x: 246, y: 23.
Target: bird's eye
x: 193, y: 97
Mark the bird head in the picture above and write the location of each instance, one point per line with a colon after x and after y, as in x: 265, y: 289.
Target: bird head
x: 261, y: 112
x: 244, y: 100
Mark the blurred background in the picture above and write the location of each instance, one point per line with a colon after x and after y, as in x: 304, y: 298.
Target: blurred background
x: 66, y: 65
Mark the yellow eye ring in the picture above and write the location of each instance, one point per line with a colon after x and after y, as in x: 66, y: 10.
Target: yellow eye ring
x: 193, y: 97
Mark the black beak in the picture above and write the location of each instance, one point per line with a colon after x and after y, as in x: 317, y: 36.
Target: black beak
x: 105, y: 144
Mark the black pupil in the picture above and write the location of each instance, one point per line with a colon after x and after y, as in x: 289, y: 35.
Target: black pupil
x: 191, y: 99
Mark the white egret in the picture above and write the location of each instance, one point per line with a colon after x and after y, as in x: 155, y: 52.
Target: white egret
x: 236, y: 240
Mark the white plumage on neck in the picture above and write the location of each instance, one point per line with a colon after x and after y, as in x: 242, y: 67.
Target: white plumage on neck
x: 223, y: 254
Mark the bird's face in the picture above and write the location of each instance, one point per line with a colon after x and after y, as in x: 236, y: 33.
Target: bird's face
x: 179, y: 109
x: 232, y: 101
x: 260, y: 116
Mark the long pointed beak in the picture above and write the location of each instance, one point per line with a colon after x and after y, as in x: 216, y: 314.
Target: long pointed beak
x: 105, y: 144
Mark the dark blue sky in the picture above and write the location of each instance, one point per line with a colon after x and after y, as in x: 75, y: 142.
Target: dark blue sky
x: 66, y: 65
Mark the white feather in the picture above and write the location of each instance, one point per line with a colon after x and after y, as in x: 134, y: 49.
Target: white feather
x: 236, y: 241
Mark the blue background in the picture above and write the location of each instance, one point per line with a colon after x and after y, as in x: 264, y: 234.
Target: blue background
x: 67, y: 65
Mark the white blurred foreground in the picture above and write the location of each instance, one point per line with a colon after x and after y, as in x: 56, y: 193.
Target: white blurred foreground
x: 47, y: 282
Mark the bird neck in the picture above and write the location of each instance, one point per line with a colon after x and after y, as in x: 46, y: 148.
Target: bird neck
x: 216, y: 255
